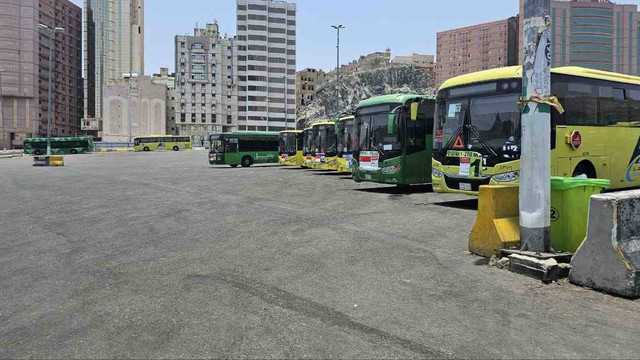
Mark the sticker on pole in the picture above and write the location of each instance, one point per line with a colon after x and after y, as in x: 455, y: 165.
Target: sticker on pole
x: 576, y: 140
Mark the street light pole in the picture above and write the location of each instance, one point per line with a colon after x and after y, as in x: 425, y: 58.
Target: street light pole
x: 52, y: 50
x: 338, y: 27
x: 4, y: 132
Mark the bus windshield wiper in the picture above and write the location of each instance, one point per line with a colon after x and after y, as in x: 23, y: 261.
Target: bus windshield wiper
x: 375, y: 147
x: 484, y: 143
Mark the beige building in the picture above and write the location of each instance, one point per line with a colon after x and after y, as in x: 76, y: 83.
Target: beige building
x: 113, y: 46
x: 475, y: 48
x: 306, y: 86
x: 596, y: 34
x: 168, y: 80
x: 24, y: 57
x: 416, y: 60
x: 133, y: 107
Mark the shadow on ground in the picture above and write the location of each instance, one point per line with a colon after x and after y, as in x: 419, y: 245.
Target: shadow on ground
x: 471, y: 204
x: 399, y: 190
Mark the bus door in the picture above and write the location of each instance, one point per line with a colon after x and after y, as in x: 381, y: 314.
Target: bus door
x: 415, y: 146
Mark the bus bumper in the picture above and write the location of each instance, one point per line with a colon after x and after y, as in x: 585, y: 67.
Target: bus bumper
x: 444, y: 179
x: 331, y: 164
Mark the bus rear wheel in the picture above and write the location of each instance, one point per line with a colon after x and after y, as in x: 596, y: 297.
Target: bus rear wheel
x: 175, y: 148
x: 74, y: 151
x: 247, y: 161
x: 37, y: 152
x: 146, y: 148
x: 234, y: 165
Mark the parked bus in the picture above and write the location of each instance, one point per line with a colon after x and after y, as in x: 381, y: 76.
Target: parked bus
x: 395, y: 133
x: 326, y: 142
x: 245, y: 148
x: 162, y: 142
x: 291, y: 148
x: 71, y: 145
x: 478, y: 129
x: 347, y: 142
x: 308, y: 148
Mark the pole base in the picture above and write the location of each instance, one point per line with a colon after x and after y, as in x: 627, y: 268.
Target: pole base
x: 547, y: 267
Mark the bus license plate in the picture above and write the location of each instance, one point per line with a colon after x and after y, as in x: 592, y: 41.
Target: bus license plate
x: 465, y: 186
x: 367, y: 176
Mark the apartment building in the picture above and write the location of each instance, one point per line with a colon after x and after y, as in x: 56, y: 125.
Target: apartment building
x: 24, y: 59
x: 416, y: 60
x: 266, y: 40
x: 206, y: 94
x: 113, y: 47
x: 306, y: 86
x: 475, y: 48
x: 597, y: 34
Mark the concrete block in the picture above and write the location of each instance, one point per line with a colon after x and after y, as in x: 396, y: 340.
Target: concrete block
x: 547, y: 270
x: 497, y: 226
x: 609, y: 258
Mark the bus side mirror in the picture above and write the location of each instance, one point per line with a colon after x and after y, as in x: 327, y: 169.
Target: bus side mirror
x: 414, y: 111
x: 392, y: 123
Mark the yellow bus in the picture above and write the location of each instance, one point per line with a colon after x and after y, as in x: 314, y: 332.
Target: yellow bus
x: 308, y: 148
x: 324, y: 143
x: 291, y: 148
x: 477, y: 128
x: 347, y: 141
x: 162, y: 142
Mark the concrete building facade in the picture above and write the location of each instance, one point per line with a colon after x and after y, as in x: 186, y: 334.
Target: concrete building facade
x: 24, y: 57
x: 168, y: 80
x: 306, y: 86
x: 475, y: 48
x: 206, y: 93
x: 113, y: 46
x: 416, y: 60
x: 266, y: 39
x: 133, y: 107
x: 597, y: 34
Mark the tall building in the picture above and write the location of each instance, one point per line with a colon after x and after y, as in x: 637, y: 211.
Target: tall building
x: 206, y: 94
x: 478, y: 47
x: 24, y: 57
x: 306, y: 86
x: 113, y: 46
x: 266, y: 34
x: 597, y: 34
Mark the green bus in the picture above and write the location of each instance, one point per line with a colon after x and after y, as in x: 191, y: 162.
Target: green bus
x: 245, y: 148
x: 395, y: 136
x: 70, y: 145
x: 162, y: 142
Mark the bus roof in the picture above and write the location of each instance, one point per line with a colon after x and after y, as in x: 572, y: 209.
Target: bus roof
x: 44, y: 139
x: 290, y: 132
x: 512, y: 72
x: 159, y: 136
x: 392, y: 98
x: 347, y: 117
x: 251, y: 133
x: 323, y: 123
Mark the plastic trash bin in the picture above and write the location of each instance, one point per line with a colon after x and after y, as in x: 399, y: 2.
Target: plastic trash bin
x: 570, y: 210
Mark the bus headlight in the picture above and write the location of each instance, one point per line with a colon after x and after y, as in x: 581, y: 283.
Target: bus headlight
x: 437, y: 173
x: 507, y: 177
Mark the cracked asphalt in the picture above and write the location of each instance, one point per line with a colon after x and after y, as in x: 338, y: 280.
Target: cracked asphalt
x: 159, y: 255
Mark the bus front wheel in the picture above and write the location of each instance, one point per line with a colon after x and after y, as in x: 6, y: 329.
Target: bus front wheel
x: 74, y: 151
x: 234, y: 165
x: 175, y: 148
x: 37, y: 152
x: 247, y: 161
x: 146, y: 148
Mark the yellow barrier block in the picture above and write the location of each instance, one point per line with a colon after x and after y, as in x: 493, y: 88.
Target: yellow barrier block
x: 56, y: 160
x: 497, y: 226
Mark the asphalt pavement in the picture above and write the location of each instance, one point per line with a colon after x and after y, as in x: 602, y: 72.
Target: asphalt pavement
x: 160, y: 255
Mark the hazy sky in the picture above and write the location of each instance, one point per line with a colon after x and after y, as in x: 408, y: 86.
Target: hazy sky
x: 405, y: 26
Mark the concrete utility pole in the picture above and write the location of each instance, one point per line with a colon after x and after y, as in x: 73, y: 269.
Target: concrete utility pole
x: 4, y: 131
x: 338, y: 27
x: 52, y: 50
x: 535, y: 162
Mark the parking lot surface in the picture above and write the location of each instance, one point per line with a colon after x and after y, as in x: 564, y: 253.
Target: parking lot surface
x: 152, y: 255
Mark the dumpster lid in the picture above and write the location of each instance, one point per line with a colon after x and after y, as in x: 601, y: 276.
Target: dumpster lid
x: 562, y: 183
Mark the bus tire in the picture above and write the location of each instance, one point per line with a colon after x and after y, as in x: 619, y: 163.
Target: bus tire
x: 146, y: 148
x: 585, y: 168
x: 175, y: 148
x: 234, y: 165
x: 74, y: 151
x: 37, y: 152
x: 247, y: 161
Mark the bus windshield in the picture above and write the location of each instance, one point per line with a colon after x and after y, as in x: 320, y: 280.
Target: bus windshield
x: 346, y: 138
x: 327, y: 140
x: 308, y: 142
x: 489, y: 125
x: 287, y: 144
x: 374, y: 135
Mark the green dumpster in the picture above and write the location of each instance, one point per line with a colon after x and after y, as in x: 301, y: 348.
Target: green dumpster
x: 570, y: 210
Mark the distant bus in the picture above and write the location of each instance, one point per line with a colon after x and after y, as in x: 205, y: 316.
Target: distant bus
x: 347, y: 141
x: 291, y: 148
x: 162, y: 142
x: 325, y: 143
x: 245, y: 148
x: 308, y: 148
x: 72, y: 145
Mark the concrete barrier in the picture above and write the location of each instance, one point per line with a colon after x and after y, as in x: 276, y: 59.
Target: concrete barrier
x: 497, y: 224
x: 53, y: 160
x: 609, y: 258
x: 8, y: 154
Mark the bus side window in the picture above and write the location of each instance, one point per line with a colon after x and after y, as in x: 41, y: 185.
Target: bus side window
x: 415, y: 135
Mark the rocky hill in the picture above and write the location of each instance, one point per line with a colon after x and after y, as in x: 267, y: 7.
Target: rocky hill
x: 354, y: 87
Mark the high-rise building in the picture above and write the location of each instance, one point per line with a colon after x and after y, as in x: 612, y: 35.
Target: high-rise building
x: 306, y: 86
x: 206, y: 94
x: 113, y: 47
x: 266, y: 34
x: 24, y: 59
x: 597, y: 34
x: 474, y: 48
